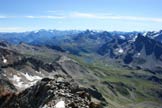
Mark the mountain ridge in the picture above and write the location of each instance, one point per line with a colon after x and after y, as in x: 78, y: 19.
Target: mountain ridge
x: 115, y: 67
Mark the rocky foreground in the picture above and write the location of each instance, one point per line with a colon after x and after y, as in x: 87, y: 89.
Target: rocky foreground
x: 59, y: 92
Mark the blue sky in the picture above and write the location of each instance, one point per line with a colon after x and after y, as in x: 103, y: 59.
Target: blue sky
x: 119, y: 15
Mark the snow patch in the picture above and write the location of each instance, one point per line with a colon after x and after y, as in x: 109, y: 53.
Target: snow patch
x: 31, y: 78
x: 120, y: 50
x: 16, y: 78
x: 145, y: 33
x: 45, y: 106
x: 36, y: 31
x: 37, y: 71
x: 4, y: 59
x: 122, y: 37
x: 22, y: 84
x: 138, y: 54
x: 4, y: 74
x: 156, y: 35
x: 17, y: 81
x: 134, y: 39
x: 60, y: 104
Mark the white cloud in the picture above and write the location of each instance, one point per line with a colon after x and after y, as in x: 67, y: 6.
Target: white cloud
x: 74, y: 15
x: 112, y: 17
x: 82, y: 15
x: 135, y: 18
x: 45, y: 17
x: 2, y: 17
x: 13, y: 29
x: 29, y: 16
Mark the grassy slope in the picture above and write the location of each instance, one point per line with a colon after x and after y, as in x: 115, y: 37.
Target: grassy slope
x: 132, y: 93
x: 128, y: 90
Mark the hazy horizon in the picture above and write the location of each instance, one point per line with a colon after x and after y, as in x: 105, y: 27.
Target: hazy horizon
x: 77, y: 30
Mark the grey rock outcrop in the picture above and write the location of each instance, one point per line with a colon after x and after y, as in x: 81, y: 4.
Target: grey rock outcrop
x: 47, y: 92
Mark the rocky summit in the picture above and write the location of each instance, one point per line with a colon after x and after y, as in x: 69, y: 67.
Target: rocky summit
x: 59, y: 92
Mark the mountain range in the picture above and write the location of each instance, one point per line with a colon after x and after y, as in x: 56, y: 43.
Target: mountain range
x: 103, y: 69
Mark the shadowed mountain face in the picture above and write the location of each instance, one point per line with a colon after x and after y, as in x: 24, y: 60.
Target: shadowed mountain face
x: 102, y: 69
x: 140, y: 53
x: 155, y: 35
x: 75, y: 42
